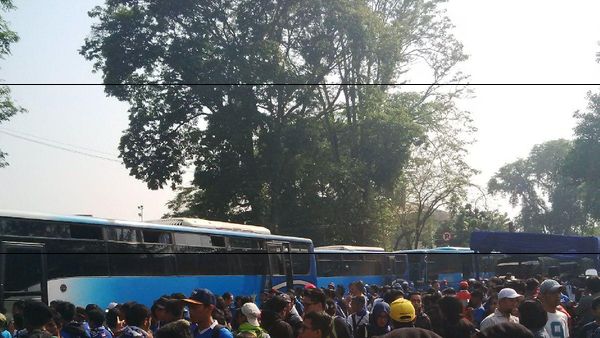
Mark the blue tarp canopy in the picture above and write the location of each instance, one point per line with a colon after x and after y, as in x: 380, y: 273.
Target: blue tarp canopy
x: 534, y: 243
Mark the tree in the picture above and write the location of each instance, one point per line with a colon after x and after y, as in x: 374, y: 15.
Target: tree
x: 8, y: 108
x: 549, y: 199
x: 583, y: 159
x: 437, y: 174
x: 306, y: 158
x: 467, y: 219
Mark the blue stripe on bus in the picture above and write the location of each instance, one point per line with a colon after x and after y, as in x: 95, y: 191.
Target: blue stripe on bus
x: 104, y: 290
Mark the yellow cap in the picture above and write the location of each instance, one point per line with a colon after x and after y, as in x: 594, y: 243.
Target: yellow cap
x: 402, y: 311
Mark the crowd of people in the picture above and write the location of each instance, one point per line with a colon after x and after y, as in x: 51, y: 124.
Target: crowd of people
x: 499, y: 307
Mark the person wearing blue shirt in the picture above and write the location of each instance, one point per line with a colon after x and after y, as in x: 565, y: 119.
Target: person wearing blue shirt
x: 201, y: 304
x: 96, y: 320
x: 3, y: 325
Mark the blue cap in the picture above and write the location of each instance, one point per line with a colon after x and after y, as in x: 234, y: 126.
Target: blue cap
x: 201, y: 296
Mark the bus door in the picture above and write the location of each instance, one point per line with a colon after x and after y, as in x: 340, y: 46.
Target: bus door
x: 280, y: 265
x: 23, y: 273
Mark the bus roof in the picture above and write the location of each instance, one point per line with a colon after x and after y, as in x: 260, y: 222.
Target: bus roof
x: 349, y: 248
x: 143, y: 225
x: 206, y: 224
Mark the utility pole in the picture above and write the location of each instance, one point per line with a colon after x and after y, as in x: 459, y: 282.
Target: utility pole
x: 141, y: 213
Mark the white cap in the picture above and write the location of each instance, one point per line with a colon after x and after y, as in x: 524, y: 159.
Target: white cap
x: 252, y: 313
x: 508, y: 293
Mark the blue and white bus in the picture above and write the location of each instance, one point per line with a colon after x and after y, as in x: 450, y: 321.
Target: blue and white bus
x: 92, y: 260
x: 450, y: 264
x: 344, y: 264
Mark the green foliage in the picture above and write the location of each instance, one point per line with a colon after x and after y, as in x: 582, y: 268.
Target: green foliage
x: 549, y: 199
x: 314, y: 160
x: 7, y: 106
x: 583, y: 161
x: 467, y: 219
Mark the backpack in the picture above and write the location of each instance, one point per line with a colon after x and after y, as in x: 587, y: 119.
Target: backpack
x: 217, y: 330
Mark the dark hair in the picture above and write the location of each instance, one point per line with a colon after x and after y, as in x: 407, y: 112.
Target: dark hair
x: 593, y: 284
x: 390, y: 296
x: 596, y: 303
x: 276, y: 304
x: 532, y: 315
x: 320, y: 321
x: 174, y: 307
x: 136, y: 314
x: 111, y: 318
x: 91, y: 307
x: 96, y: 318
x: 177, y: 329
x: 506, y: 329
x: 36, y: 314
x: 531, y: 284
x: 80, y: 314
x: 451, y: 309
x: 227, y: 295
x: 414, y: 293
x: 316, y: 296
x: 477, y: 294
x: 360, y: 301
x: 66, y: 310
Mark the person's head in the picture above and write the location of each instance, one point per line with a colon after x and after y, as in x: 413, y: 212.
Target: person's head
x: 80, y: 315
x: 449, y: 292
x: 173, y: 310
x: 228, y: 298
x: 464, y: 285
x: 66, y: 311
x: 177, y: 329
x: 508, y: 299
x: 532, y: 315
x: 593, y: 284
x: 357, y: 304
x: 416, y: 300
x: 96, y: 318
x: 402, y: 313
x: 201, y: 304
x: 3, y: 322
x: 531, y: 286
x: 158, y: 309
x: 550, y: 294
x: 596, y: 308
x: 493, y: 303
x: 380, y: 316
x: 330, y: 307
x: 112, y: 318
x: 138, y: 315
x: 55, y: 324
x: 314, y: 301
x: 451, y: 309
x: 251, y: 314
x: 315, y: 325
x: 390, y: 296
x: 435, y: 285
x: 505, y: 329
x: 476, y: 298
x: 36, y: 315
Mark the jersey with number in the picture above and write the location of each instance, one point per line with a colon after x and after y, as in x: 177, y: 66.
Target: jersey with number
x: 557, y: 325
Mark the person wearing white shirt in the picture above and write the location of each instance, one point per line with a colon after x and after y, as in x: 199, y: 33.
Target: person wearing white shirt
x: 508, y: 299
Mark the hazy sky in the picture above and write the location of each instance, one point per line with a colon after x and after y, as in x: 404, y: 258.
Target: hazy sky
x: 508, y: 42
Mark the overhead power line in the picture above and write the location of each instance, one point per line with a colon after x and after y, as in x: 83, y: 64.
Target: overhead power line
x: 75, y: 151
x: 58, y: 142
